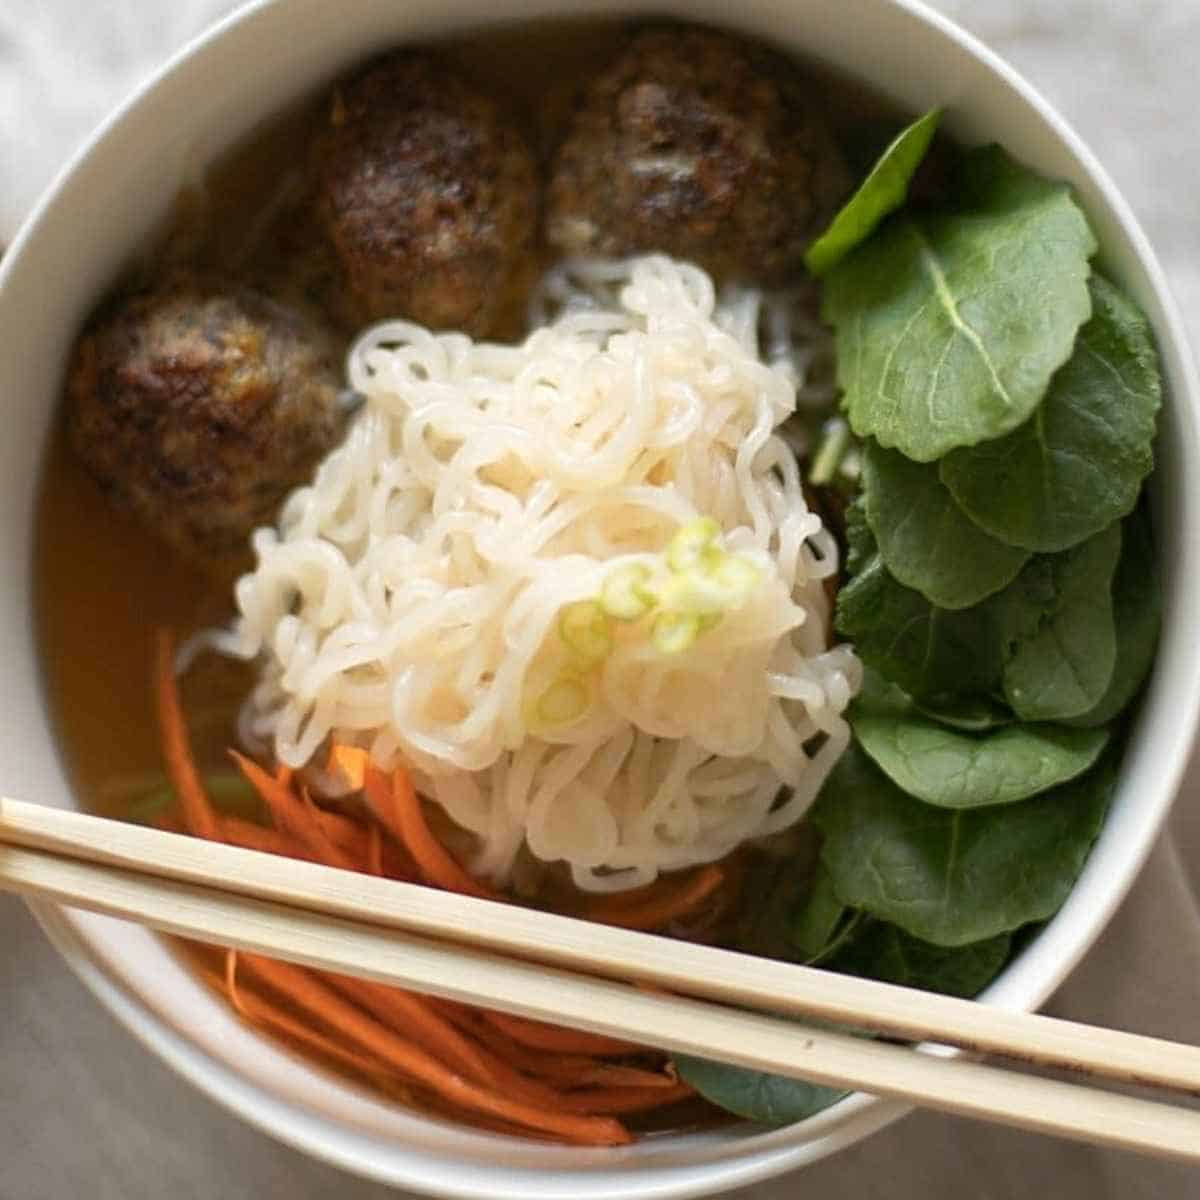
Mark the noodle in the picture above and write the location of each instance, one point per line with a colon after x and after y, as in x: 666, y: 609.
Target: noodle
x: 412, y: 599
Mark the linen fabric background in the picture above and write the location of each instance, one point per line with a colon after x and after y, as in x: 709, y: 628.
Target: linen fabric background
x: 86, y: 1111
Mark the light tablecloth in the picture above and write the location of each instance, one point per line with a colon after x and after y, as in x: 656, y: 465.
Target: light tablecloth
x: 86, y: 1111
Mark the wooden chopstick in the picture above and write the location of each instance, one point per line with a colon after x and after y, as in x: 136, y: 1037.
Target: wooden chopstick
x: 562, y: 941
x: 206, y: 891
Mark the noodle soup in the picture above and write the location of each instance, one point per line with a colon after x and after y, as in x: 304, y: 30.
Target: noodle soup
x: 536, y: 600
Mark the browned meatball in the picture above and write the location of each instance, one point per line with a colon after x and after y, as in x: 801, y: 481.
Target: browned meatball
x: 698, y: 145
x: 429, y: 197
x: 198, y: 405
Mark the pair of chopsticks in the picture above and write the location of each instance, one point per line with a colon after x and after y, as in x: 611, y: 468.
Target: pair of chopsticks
x: 715, y: 1003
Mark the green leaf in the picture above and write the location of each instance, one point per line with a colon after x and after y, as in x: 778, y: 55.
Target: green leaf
x: 1064, y: 668
x: 883, y: 191
x: 961, y: 770
x: 822, y: 923
x: 972, y: 714
x: 1137, y: 608
x: 884, y: 952
x: 955, y: 876
x: 767, y: 1099
x: 1077, y: 464
x: 949, y: 328
x: 926, y: 541
x: 930, y: 652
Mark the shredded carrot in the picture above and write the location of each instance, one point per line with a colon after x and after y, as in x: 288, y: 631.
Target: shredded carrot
x: 235, y: 998
x: 564, y: 1071
x: 344, y: 1018
x: 539, y: 1036
x: 344, y: 832
x: 349, y: 764
x: 398, y: 808
x: 292, y: 815
x: 247, y: 834
x: 617, y: 1100
x: 197, y: 811
x: 258, y: 1010
x: 399, y: 1009
x: 658, y: 908
x: 374, y: 850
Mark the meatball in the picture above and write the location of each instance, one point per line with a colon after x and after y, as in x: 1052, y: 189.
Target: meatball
x: 428, y: 195
x: 698, y: 145
x: 198, y: 405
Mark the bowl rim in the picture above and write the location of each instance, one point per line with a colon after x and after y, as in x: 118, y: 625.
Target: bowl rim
x: 857, y: 1116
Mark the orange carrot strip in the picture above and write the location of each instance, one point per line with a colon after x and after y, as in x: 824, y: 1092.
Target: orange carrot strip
x: 563, y: 1071
x: 345, y: 832
x: 257, y: 1010
x: 349, y: 763
x: 258, y: 837
x: 539, y: 1036
x: 614, y: 1100
x: 660, y: 910
x: 398, y: 809
x: 398, y: 1009
x: 321, y: 1001
x: 374, y: 849
x: 603, y: 1074
x: 293, y: 816
x: 198, y: 815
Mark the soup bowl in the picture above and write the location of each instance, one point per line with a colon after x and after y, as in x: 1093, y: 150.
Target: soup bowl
x: 120, y: 187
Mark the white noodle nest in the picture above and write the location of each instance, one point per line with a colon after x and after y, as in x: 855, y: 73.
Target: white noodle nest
x: 409, y: 599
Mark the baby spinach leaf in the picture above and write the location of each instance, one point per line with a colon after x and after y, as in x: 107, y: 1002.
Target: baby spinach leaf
x: 928, y: 651
x: 955, y: 876
x: 823, y: 923
x: 962, y: 770
x: 1076, y: 465
x: 926, y: 541
x: 949, y: 327
x: 1064, y: 668
x: 878, y: 697
x: 883, y: 191
x: 1137, y: 607
x: 885, y: 952
x: 973, y: 714
x: 767, y: 1099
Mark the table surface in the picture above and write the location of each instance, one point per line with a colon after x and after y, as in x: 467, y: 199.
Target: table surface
x: 86, y: 1111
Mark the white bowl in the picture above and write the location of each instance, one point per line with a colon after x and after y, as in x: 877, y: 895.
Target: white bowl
x: 68, y: 254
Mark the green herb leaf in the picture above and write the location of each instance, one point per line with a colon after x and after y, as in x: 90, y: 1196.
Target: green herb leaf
x: 930, y: 652
x: 972, y: 714
x: 949, y: 876
x: 884, y: 952
x: 1137, y: 608
x: 1077, y: 464
x: 767, y: 1099
x: 961, y: 770
x: 949, y: 328
x: 822, y: 923
x: 926, y: 541
x: 883, y: 191
x: 1064, y: 668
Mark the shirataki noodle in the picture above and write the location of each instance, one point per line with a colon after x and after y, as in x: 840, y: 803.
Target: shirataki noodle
x: 412, y: 600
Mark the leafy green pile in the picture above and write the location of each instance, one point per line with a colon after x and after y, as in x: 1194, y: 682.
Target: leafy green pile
x: 1001, y: 584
